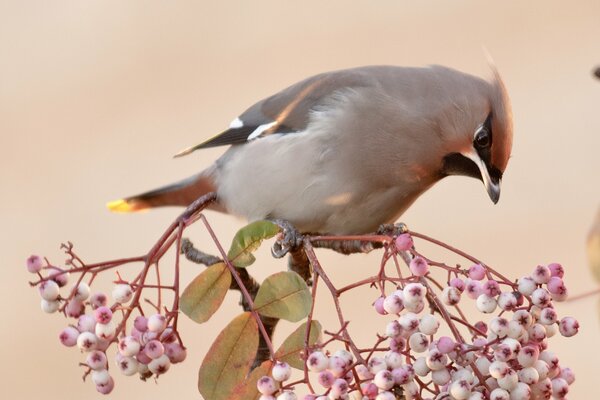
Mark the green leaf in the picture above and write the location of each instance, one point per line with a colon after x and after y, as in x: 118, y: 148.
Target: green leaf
x: 284, y: 295
x: 204, y: 295
x: 247, y: 390
x: 294, y: 344
x: 248, y: 239
x: 228, y: 361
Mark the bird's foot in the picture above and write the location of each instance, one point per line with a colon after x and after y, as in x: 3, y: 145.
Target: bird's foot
x: 392, y: 229
x: 287, y: 241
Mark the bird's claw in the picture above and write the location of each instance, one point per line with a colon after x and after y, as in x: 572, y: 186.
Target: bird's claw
x: 288, y: 240
x: 392, y: 229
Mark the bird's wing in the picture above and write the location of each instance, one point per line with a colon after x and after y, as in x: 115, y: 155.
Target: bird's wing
x: 287, y: 111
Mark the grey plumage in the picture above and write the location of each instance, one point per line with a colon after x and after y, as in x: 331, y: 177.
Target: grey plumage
x: 343, y: 152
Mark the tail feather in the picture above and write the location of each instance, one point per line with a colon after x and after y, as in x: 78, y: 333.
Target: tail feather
x: 182, y: 193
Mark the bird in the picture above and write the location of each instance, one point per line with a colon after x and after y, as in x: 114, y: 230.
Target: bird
x: 347, y: 151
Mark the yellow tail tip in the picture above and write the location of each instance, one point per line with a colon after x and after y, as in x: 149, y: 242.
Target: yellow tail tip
x: 122, y: 206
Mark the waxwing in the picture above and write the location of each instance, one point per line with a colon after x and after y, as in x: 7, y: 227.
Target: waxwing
x: 343, y: 152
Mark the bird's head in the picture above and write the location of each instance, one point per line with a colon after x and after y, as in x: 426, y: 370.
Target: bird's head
x: 483, y: 142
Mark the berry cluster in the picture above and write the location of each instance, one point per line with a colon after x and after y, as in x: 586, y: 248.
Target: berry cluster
x: 147, y: 348
x: 503, y: 356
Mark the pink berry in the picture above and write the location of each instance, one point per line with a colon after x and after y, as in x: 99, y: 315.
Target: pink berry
x: 477, y: 272
x: 337, y: 366
x: 473, y: 289
x: 128, y: 365
x: 450, y: 296
x: 68, y: 336
x: 82, y: 292
x: 429, y: 324
x: 503, y: 353
x: 154, y: 349
x: 159, y: 365
x: 445, y: 345
x: 34, y: 264
x: 106, y: 331
x: 107, y: 388
x: 317, y: 362
x: 404, y: 242
x: 436, y: 360
x: 175, y: 352
x: 568, y: 326
x: 325, y: 379
x: 548, y: 316
x: 458, y: 284
x: 541, y: 298
x: 75, y: 308
x: 412, y: 292
x: 86, y: 323
x: 103, y: 315
x: 556, y: 285
x: 507, y: 301
x: 60, y: 279
x: 51, y: 306
x: 157, y: 323
x: 556, y: 270
x: 96, y: 360
x: 491, y: 288
x: 98, y: 300
x: 281, y: 371
x: 526, y: 285
x: 87, y: 341
x: 418, y: 266
x: 376, y: 364
x: 143, y: 358
x: 49, y: 290
x: 560, y: 388
x: 393, y: 304
x: 384, y: 380
x: 481, y: 326
x: 528, y: 355
x: 568, y: 375
x: 122, y: 293
x: 403, y: 375
x: 397, y: 344
x: 541, y: 274
x: 129, y: 346
x: 369, y: 389
x: 141, y: 323
x: 266, y: 385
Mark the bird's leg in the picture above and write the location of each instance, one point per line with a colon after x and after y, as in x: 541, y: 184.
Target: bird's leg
x: 392, y: 229
x: 288, y: 240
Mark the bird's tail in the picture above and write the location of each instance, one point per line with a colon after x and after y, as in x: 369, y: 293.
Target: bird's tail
x: 181, y: 193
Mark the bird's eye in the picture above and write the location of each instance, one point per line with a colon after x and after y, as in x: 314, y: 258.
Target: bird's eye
x: 482, y: 138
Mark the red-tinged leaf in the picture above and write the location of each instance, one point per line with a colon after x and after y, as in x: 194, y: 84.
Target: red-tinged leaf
x: 204, y: 295
x: 228, y: 361
x: 290, y: 350
x: 247, y: 389
x: 248, y: 239
x: 284, y: 295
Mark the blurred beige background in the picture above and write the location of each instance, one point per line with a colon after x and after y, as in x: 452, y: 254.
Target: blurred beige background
x: 95, y: 97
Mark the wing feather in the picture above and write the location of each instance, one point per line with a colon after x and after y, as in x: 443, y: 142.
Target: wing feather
x: 287, y: 111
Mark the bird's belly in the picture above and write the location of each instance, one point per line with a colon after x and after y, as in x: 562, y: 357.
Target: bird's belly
x: 298, y: 181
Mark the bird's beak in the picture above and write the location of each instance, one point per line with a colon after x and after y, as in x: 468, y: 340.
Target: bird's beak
x: 492, y: 186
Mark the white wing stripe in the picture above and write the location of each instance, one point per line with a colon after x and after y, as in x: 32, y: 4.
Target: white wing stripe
x: 260, y: 129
